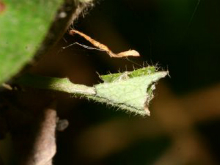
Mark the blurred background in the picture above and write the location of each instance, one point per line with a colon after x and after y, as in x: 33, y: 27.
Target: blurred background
x: 184, y: 127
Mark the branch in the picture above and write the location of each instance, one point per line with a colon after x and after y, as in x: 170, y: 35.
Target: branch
x: 44, y: 147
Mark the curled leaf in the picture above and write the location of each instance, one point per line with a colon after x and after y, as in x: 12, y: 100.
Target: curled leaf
x: 131, y: 91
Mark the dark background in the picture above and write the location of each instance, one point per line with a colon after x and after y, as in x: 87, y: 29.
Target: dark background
x: 180, y: 36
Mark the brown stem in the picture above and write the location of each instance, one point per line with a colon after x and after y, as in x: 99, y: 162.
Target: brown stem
x: 44, y: 146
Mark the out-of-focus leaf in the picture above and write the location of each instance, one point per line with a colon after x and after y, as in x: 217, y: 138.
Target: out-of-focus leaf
x: 23, y: 26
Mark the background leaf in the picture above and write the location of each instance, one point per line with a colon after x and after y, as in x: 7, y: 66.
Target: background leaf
x: 23, y: 26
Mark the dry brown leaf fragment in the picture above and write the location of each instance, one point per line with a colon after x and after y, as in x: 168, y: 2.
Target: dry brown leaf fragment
x: 103, y: 47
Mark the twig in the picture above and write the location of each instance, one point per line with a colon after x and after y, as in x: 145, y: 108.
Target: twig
x: 46, y: 143
x: 44, y: 147
x: 33, y: 133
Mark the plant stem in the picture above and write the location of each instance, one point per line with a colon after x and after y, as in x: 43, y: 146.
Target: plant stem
x: 57, y: 84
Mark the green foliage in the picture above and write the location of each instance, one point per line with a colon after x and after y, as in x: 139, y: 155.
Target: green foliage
x: 23, y: 26
x: 126, y: 75
x: 130, y: 91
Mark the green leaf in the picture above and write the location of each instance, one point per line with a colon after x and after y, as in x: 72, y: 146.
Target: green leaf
x: 125, y: 75
x: 131, y: 91
x: 23, y: 26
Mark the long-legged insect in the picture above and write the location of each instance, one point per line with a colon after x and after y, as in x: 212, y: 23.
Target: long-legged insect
x: 103, y: 47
